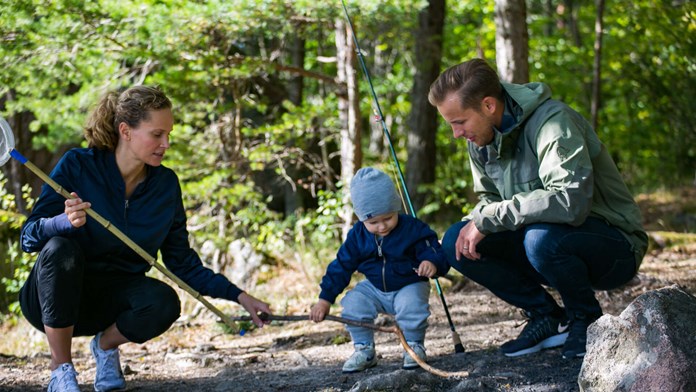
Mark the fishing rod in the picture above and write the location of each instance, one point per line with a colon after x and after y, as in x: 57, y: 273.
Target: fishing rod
x: 458, y: 347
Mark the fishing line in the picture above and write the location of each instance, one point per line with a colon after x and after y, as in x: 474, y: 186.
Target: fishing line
x: 458, y: 347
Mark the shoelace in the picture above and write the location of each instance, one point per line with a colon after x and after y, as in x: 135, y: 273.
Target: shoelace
x: 111, y: 368
x: 535, y: 327
x: 67, y: 378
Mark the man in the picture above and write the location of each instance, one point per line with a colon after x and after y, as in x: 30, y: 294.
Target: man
x: 553, y: 210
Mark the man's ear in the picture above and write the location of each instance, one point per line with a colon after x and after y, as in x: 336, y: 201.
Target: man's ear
x: 489, y: 105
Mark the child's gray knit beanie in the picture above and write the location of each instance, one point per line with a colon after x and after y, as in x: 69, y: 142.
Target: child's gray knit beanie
x: 373, y: 193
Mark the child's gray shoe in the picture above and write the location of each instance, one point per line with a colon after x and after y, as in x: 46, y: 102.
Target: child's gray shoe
x: 64, y: 379
x: 410, y: 363
x: 109, y: 375
x: 364, y: 357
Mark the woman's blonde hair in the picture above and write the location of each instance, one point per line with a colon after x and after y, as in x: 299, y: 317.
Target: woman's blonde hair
x: 130, y: 106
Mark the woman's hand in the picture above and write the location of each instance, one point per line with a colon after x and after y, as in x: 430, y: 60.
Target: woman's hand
x: 254, y: 306
x: 75, y: 209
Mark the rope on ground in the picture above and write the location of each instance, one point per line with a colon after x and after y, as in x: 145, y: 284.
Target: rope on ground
x: 390, y: 329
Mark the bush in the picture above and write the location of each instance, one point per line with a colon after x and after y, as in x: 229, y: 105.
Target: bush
x: 16, y: 264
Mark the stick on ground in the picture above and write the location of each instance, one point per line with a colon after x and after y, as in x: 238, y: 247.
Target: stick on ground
x: 391, y: 329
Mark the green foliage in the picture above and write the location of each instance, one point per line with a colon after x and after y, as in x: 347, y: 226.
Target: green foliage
x: 340, y: 339
x: 16, y: 265
x: 647, y: 82
x: 469, y: 31
x: 321, y: 228
x: 239, y: 143
x: 649, y: 91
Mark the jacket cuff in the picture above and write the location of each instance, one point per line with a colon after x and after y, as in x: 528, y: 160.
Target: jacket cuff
x: 327, y: 297
x: 477, y: 218
x: 233, y: 293
x: 57, y: 225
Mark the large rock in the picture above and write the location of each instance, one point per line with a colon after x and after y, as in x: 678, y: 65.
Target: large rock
x: 245, y: 262
x: 650, y: 347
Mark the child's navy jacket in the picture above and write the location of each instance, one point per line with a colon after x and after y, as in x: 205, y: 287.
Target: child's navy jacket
x: 389, y: 266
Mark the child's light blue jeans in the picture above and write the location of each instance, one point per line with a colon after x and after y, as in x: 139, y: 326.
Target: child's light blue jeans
x: 409, y: 305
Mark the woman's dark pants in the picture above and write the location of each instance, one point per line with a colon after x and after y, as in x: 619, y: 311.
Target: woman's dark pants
x: 60, y: 293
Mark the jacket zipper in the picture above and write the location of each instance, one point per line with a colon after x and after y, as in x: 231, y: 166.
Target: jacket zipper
x: 384, y: 261
x: 125, y: 215
x: 427, y: 242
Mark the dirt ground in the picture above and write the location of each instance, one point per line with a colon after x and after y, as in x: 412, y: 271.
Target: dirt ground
x: 303, y: 356
x: 197, y: 355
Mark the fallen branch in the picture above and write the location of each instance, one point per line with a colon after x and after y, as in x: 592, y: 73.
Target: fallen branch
x: 392, y: 329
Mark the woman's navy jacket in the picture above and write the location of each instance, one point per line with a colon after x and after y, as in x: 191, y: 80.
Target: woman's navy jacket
x: 153, y: 217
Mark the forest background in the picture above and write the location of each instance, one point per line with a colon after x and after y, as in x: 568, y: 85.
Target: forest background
x: 274, y: 115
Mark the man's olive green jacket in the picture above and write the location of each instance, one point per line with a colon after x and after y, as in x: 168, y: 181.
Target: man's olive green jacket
x: 548, y: 165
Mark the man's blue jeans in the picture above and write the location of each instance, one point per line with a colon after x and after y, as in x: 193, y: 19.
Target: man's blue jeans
x: 574, y: 260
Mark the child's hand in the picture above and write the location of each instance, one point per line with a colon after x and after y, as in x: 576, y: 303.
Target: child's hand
x: 319, y: 310
x: 427, y: 269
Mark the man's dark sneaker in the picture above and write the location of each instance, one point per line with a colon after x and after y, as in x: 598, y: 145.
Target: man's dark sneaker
x: 576, y: 344
x: 541, y: 331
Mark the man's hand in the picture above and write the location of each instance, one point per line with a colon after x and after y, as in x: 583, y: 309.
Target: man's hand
x: 468, y: 239
x: 254, y: 306
x: 319, y: 310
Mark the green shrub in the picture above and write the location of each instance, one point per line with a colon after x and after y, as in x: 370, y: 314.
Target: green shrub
x: 16, y: 265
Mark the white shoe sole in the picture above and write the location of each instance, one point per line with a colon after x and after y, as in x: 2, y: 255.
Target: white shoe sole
x: 367, y: 365
x: 553, y: 341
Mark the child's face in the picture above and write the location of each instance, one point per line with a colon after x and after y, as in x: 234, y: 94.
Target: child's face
x: 382, y: 225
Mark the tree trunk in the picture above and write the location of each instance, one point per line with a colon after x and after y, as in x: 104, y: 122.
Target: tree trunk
x: 548, y: 14
x: 573, y: 22
x: 597, y: 72
x: 349, y: 114
x: 13, y: 170
x: 512, y: 40
x: 420, y: 166
x: 293, y: 196
x: 297, y: 59
x: 17, y: 175
x: 380, y: 67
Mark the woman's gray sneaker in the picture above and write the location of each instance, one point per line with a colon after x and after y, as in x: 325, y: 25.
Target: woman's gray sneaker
x: 109, y: 375
x: 64, y: 379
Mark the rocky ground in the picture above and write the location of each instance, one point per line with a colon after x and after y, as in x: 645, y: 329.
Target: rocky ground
x: 303, y: 356
x: 199, y: 355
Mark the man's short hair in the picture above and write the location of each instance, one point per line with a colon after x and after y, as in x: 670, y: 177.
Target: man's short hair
x: 471, y: 80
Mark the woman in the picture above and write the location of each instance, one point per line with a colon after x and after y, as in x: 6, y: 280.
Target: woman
x: 88, y: 282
